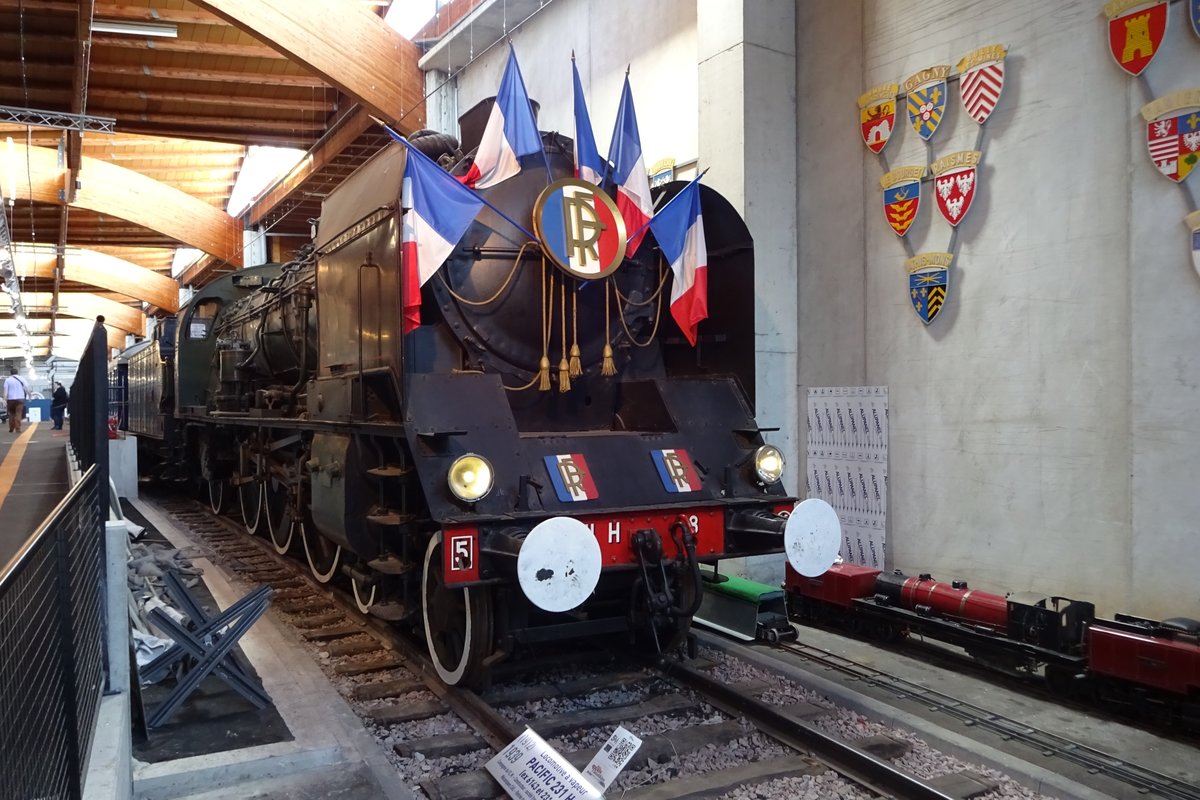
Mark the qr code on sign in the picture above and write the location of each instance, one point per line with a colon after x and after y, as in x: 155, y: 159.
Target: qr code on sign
x: 619, y: 751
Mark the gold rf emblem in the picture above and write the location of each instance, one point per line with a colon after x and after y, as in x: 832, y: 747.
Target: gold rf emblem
x: 580, y: 228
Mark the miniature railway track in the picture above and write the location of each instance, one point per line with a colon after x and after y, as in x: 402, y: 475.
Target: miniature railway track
x: 1048, y: 744
x: 325, y: 616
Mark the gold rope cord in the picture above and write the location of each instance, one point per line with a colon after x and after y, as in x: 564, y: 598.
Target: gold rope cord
x: 607, y: 367
x: 500, y: 291
x: 657, y: 311
x: 564, y: 369
x: 576, y: 361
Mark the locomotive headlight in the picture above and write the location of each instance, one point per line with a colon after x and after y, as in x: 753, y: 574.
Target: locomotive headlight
x: 470, y: 477
x: 768, y: 463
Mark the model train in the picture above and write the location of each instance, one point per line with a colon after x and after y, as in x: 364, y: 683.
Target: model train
x: 1127, y: 661
x: 436, y: 470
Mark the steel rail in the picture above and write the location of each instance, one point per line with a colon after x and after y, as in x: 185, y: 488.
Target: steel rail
x: 1050, y: 744
x: 858, y: 765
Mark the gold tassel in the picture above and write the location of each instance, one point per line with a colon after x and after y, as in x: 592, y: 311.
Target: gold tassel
x: 607, y: 367
x: 564, y: 376
x: 576, y: 364
x: 544, y: 374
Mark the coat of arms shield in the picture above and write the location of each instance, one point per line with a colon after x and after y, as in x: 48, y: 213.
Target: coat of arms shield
x: 1173, y: 133
x: 902, y: 197
x: 1135, y: 31
x: 928, y: 283
x: 955, y: 179
x: 1193, y: 221
x: 877, y: 115
x: 980, y: 80
x: 927, y: 99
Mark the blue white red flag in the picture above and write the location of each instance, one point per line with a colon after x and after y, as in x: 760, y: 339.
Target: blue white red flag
x: 511, y: 132
x: 629, y: 172
x: 588, y: 164
x: 440, y: 209
x: 679, y: 228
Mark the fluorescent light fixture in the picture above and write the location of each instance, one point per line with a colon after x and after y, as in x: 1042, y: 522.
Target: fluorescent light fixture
x: 167, y: 30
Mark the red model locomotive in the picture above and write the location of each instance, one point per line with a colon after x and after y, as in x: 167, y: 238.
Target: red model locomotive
x: 1126, y: 660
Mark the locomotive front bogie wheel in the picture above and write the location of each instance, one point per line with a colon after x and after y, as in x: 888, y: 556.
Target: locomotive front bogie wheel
x: 458, y: 622
x: 216, y: 495
x: 322, y: 554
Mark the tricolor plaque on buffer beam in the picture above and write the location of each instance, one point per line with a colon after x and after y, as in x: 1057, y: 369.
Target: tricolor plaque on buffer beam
x: 902, y: 197
x: 580, y: 228
x: 927, y: 99
x: 928, y: 283
x: 877, y: 115
x: 1135, y: 32
x: 955, y: 178
x: 1173, y: 133
x: 980, y: 80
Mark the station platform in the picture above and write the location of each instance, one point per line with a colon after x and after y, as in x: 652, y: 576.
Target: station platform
x: 33, y: 480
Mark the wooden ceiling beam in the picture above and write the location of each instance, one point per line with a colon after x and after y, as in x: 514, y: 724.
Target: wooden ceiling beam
x: 98, y: 269
x: 279, y: 138
x: 249, y: 101
x: 113, y: 11
x: 352, y: 49
x: 165, y: 45
x: 128, y: 195
x: 183, y: 122
x: 86, y: 305
x: 194, y: 74
x: 344, y: 132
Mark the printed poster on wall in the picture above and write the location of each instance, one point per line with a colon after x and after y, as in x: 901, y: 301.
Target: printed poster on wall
x: 847, y: 465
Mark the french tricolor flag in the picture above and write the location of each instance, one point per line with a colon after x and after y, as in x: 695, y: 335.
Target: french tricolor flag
x: 629, y: 171
x: 679, y: 228
x: 511, y: 132
x: 439, y: 211
x: 588, y: 164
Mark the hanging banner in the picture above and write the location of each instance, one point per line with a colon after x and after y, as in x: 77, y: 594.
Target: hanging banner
x: 980, y: 80
x: 928, y: 283
x: 1135, y: 32
x: 1193, y: 222
x: 955, y: 178
x: 877, y: 115
x: 1173, y: 133
x: 847, y: 465
x: 927, y: 99
x: 902, y: 197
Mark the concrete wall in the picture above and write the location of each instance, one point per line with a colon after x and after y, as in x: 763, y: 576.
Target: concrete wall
x: 1042, y: 427
x: 660, y: 51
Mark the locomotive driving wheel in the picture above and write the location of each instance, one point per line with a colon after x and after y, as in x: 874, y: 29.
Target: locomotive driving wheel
x: 458, y: 622
x: 216, y: 495
x: 250, y: 494
x: 278, y: 514
x: 322, y: 554
x: 364, y: 595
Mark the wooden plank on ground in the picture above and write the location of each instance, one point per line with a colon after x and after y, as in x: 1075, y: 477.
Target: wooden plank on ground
x: 382, y: 689
x: 714, y: 784
x: 407, y: 712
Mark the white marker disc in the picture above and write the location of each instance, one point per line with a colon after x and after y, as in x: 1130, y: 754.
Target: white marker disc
x: 812, y: 537
x: 559, y: 564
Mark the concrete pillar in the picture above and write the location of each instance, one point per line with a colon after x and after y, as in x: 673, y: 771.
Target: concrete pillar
x: 255, y: 246
x: 746, y: 51
x: 441, y: 105
x: 116, y: 550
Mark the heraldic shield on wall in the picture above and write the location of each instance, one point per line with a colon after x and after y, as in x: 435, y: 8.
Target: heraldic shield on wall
x: 902, y: 197
x: 955, y: 179
x: 1193, y: 222
x: 981, y: 79
x: 1135, y: 32
x: 1173, y: 133
x: 877, y: 115
x: 928, y: 283
x: 927, y: 99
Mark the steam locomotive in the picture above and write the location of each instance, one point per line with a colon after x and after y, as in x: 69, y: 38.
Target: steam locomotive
x: 1148, y: 665
x: 451, y: 475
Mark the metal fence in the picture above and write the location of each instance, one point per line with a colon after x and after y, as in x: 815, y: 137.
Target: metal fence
x: 51, y: 601
x: 52, y: 616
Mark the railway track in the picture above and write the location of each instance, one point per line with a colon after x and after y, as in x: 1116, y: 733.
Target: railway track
x: 1145, y: 781
x: 386, y: 678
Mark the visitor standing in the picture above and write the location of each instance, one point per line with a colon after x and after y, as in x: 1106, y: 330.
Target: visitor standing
x: 58, y: 405
x: 15, y: 393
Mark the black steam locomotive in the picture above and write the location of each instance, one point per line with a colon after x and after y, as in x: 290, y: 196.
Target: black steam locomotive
x: 452, y: 475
